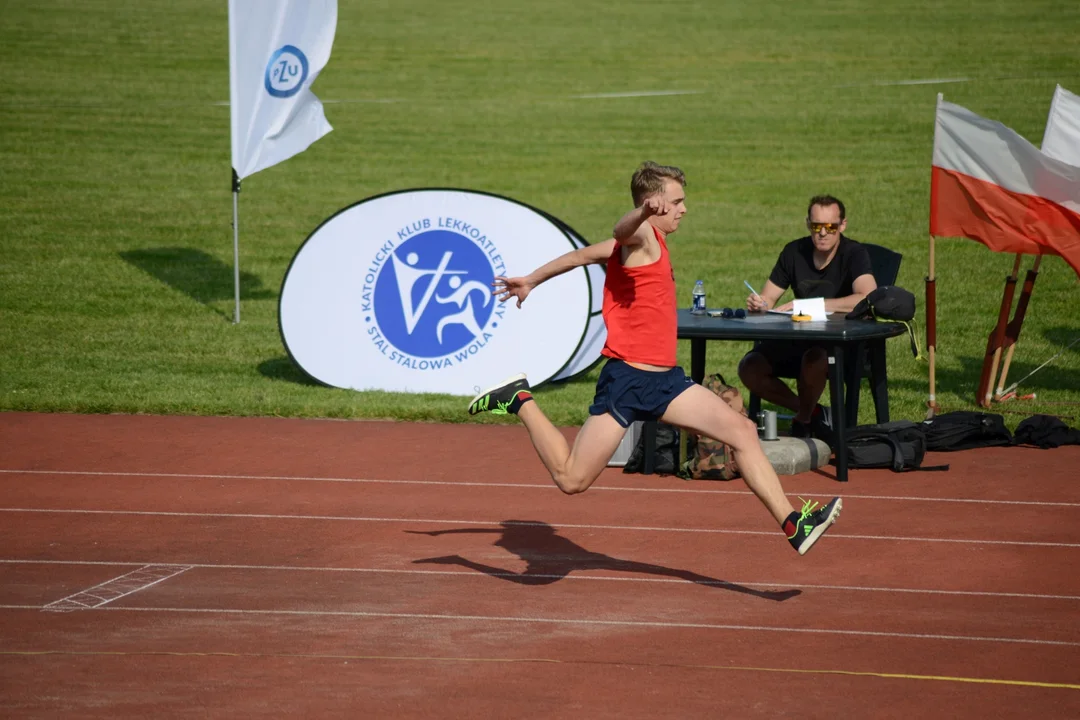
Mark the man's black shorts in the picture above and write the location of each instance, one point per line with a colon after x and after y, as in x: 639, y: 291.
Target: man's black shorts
x: 630, y: 394
x: 785, y: 357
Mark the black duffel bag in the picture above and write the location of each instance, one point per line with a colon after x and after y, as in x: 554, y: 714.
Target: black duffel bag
x: 966, y: 429
x: 899, y: 445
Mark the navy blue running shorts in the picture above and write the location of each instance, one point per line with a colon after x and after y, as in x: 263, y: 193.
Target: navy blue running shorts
x: 630, y: 394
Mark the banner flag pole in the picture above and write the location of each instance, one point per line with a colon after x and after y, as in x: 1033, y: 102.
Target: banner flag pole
x: 276, y: 50
x: 236, y: 245
x: 931, y: 331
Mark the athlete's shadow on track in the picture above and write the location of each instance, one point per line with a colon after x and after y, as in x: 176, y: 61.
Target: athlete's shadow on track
x: 550, y: 557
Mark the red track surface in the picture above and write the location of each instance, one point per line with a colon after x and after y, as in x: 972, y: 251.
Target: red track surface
x: 305, y: 578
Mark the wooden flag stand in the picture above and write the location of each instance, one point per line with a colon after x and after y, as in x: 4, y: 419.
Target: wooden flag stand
x: 1012, y: 330
x: 1005, y: 332
x: 997, y: 337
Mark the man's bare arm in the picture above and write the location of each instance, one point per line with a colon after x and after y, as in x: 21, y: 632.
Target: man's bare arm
x: 588, y: 255
x: 863, y: 286
x: 767, y: 299
x: 632, y: 229
x: 599, y: 253
x: 520, y: 287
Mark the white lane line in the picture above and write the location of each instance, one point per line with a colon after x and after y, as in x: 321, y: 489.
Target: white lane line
x: 114, y: 589
x: 572, y: 576
x: 573, y: 621
x: 542, y: 486
x: 578, y: 526
x: 634, y: 94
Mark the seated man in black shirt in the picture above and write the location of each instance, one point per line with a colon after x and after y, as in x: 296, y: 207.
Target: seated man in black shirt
x: 824, y: 264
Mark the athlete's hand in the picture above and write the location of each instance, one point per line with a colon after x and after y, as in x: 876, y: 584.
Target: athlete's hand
x: 506, y: 288
x: 655, y: 205
x: 754, y: 303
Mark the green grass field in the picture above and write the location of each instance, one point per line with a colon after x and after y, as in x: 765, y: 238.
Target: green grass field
x: 116, y: 279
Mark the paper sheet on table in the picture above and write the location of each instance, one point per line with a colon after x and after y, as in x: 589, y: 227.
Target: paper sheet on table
x: 814, y: 307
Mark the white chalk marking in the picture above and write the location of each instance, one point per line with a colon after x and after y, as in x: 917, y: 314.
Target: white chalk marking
x: 572, y: 576
x: 534, y: 486
x: 114, y: 589
x: 634, y: 94
x: 897, y: 83
x: 416, y: 521
x: 576, y: 621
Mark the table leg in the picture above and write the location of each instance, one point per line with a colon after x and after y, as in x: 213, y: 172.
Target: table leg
x: 854, y: 360
x: 697, y: 360
x: 836, y: 382
x: 879, y: 380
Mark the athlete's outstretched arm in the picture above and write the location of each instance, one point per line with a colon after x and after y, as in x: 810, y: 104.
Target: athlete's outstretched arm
x: 632, y: 229
x: 520, y: 287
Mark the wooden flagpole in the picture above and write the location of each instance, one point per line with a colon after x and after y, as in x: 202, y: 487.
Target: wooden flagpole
x: 931, y: 294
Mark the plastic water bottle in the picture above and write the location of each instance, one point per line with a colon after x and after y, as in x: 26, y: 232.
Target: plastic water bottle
x: 698, y: 306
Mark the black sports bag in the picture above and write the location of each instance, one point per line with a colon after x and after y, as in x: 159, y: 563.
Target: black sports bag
x: 899, y: 445
x: 966, y: 429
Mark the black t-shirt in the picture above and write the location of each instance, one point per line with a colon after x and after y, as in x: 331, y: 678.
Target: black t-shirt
x: 795, y: 269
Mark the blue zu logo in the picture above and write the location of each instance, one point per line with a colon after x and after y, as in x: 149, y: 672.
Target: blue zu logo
x: 286, y: 72
x: 434, y: 296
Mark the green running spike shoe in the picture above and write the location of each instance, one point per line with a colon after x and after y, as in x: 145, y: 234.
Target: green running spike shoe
x: 503, y: 399
x: 811, y: 524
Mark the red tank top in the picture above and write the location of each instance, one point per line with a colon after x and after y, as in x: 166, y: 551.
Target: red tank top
x: 640, y: 311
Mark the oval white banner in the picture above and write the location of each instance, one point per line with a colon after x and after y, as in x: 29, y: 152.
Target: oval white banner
x: 394, y: 293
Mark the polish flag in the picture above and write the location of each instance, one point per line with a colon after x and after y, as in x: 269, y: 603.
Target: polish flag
x: 1061, y: 140
x: 991, y: 185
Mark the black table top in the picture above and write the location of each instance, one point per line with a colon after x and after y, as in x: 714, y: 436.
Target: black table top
x: 771, y: 326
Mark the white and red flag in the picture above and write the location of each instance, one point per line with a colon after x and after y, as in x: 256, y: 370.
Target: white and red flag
x: 1061, y: 140
x: 991, y: 185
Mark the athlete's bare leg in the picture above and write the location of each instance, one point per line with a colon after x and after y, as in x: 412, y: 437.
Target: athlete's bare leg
x: 704, y: 413
x: 572, y: 469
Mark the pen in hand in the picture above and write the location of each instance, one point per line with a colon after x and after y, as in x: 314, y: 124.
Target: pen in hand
x: 749, y: 305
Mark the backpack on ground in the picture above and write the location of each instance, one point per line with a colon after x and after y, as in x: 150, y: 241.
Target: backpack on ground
x: 899, y: 445
x: 665, y: 452
x: 966, y: 429
x: 708, y: 459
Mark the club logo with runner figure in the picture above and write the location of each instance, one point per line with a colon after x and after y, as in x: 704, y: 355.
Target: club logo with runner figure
x: 432, y: 302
